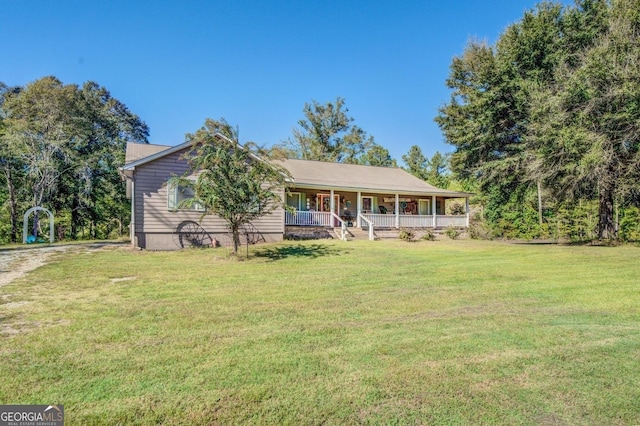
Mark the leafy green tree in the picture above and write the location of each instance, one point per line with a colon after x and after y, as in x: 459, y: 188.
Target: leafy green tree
x: 93, y: 185
x: 39, y: 125
x: 66, y: 143
x: 377, y: 155
x: 585, y: 132
x: 232, y: 182
x: 11, y: 169
x: 434, y: 170
x: 487, y: 116
x: 416, y: 162
x: 327, y: 134
x: 497, y: 134
x: 438, y: 170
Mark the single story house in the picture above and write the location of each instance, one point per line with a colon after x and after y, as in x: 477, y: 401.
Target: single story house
x: 342, y: 199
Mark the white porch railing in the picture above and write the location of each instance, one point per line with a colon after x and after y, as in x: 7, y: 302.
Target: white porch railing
x: 301, y: 218
x: 368, y: 224
x: 343, y: 226
x: 380, y: 220
x: 328, y: 219
x: 416, y: 221
x: 413, y: 221
x: 444, y: 221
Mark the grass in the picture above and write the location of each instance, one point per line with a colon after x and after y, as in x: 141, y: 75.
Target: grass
x: 386, y: 332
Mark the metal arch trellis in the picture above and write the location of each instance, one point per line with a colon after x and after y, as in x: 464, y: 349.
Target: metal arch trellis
x: 25, y: 222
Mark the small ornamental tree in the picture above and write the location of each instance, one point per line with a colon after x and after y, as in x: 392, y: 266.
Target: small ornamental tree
x: 232, y: 182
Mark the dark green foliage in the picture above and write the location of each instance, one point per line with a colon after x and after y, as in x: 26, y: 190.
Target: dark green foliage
x: 416, y: 162
x: 61, y: 149
x: 630, y: 224
x: 513, y: 215
x: 551, y: 111
x: 377, y: 155
x: 434, y: 170
x: 327, y: 134
x: 586, y: 124
x: 479, y: 230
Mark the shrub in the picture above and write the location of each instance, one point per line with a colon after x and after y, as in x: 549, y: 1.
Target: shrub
x: 406, y: 235
x: 452, y: 232
x: 480, y: 231
x: 428, y: 235
x: 630, y: 224
x: 457, y: 209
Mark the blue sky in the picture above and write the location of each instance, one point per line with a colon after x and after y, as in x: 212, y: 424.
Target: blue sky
x: 256, y: 63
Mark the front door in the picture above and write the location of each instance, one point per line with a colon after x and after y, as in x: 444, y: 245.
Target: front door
x: 324, y: 205
x: 423, y: 207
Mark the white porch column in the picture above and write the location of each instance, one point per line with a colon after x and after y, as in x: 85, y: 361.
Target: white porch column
x: 332, y: 206
x: 359, y: 209
x: 466, y: 208
x: 433, y: 209
x: 132, y: 222
x: 397, y: 210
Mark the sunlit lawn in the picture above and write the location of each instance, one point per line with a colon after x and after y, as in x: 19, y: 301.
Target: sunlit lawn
x: 385, y: 332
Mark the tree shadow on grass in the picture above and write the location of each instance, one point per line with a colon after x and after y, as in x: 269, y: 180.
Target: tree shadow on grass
x: 311, y: 251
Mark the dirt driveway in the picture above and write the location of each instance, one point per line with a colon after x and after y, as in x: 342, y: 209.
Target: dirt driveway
x: 14, y: 263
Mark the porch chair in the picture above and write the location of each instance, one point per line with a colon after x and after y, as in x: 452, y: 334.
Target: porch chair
x: 347, y: 217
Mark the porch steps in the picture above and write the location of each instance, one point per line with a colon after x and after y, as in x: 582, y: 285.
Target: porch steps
x: 359, y: 234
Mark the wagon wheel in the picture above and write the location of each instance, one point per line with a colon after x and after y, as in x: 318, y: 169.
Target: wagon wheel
x: 191, y: 234
x: 249, y: 234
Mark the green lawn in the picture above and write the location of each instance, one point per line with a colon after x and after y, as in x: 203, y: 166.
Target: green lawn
x: 385, y: 332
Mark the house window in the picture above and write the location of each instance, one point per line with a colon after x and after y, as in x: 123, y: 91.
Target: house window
x: 424, y: 207
x: 369, y: 204
x: 177, y: 194
x: 294, y: 199
x: 253, y: 206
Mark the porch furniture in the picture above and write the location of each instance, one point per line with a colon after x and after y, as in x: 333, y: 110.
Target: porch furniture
x: 347, y: 217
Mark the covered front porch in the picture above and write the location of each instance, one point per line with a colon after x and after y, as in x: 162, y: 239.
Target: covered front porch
x: 339, y: 208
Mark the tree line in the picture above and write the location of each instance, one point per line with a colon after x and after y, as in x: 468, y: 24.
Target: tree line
x: 60, y: 148
x: 546, y: 122
x: 545, y: 126
x: 327, y: 133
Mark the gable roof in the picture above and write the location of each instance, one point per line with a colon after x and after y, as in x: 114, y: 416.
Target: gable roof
x: 166, y: 150
x: 158, y: 154
x: 136, y: 151
x: 354, y: 177
x: 317, y: 174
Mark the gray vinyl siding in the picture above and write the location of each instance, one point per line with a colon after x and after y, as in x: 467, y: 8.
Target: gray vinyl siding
x: 152, y: 212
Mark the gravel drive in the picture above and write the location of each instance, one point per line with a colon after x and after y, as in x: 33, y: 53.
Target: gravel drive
x: 17, y: 262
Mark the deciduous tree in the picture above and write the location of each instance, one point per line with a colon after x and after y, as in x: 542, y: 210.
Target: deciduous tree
x: 11, y: 168
x: 326, y: 133
x: 232, y: 182
x: 377, y: 155
x: 545, y: 109
x: 66, y: 143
